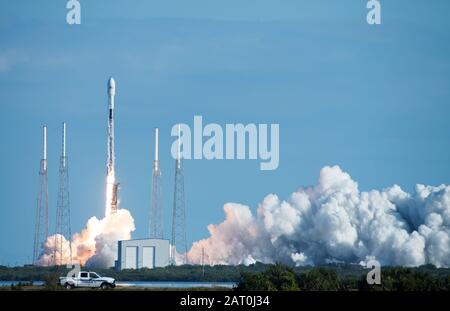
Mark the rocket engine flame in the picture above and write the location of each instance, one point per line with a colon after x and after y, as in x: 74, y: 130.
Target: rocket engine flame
x: 111, y: 185
x: 110, y: 195
x: 95, y: 245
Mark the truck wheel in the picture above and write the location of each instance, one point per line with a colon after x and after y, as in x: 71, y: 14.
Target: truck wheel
x: 68, y: 286
x: 104, y: 286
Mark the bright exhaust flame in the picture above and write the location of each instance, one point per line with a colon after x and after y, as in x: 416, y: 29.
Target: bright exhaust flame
x: 110, y: 182
x: 96, y: 244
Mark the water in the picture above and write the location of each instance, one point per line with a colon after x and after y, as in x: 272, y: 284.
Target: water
x: 9, y: 283
x: 148, y: 284
x: 169, y: 284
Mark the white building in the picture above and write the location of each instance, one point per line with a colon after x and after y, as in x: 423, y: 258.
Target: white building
x: 142, y: 253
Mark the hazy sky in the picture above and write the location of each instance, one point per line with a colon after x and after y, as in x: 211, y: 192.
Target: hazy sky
x: 373, y: 99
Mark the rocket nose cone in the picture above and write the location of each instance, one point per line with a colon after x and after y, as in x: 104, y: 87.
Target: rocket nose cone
x: 111, y: 82
x: 111, y: 86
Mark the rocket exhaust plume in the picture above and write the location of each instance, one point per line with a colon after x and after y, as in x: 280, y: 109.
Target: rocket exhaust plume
x: 111, y: 185
x: 96, y: 244
x: 333, y: 221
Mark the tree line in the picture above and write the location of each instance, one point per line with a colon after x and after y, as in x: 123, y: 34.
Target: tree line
x: 259, y: 276
x: 283, y: 278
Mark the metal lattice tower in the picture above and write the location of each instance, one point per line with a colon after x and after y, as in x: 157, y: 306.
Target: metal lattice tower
x: 156, y: 227
x: 63, y: 207
x: 41, y: 225
x: 178, y: 242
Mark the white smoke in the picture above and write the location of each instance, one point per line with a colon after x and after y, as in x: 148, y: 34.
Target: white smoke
x: 95, y: 245
x: 334, y: 222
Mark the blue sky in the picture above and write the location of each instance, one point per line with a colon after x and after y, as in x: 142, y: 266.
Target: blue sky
x: 374, y: 100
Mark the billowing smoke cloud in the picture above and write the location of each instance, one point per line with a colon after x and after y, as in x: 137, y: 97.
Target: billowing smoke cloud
x: 95, y: 245
x: 334, y: 222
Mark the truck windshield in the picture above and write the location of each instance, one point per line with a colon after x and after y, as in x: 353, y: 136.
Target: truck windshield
x: 94, y: 275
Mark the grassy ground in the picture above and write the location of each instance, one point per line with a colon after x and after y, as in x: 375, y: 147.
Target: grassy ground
x: 118, y: 288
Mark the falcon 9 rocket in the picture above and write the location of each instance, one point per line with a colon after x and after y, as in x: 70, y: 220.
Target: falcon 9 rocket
x: 111, y: 185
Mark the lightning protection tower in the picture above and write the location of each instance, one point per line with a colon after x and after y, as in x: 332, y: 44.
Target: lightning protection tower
x: 178, y: 241
x: 63, y: 229
x: 41, y: 224
x: 156, y: 210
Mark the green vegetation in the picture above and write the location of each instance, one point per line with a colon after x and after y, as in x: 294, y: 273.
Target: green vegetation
x: 51, y: 282
x: 280, y: 277
x: 274, y: 278
x: 28, y: 287
x: 320, y: 279
x: 172, y: 273
x: 334, y: 277
x: 404, y: 279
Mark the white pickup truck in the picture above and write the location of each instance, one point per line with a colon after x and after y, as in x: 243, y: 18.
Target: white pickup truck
x: 87, y: 279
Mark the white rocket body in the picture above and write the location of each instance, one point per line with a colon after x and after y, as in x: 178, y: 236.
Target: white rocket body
x: 111, y: 185
x: 111, y: 156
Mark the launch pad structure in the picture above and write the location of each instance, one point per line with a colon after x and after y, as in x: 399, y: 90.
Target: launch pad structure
x: 62, y: 250
x: 63, y: 229
x: 156, y: 223
x: 178, y: 241
x: 41, y: 224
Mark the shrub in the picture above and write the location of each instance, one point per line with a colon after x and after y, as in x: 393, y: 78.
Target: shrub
x: 51, y: 282
x: 320, y: 279
x: 276, y: 277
